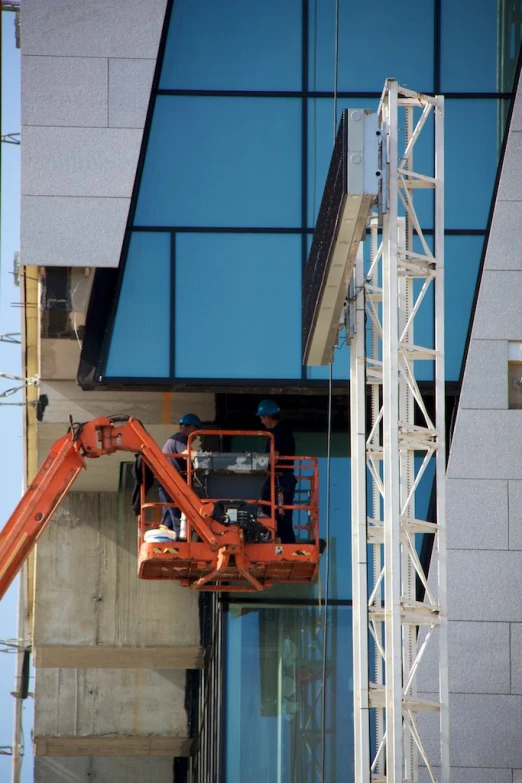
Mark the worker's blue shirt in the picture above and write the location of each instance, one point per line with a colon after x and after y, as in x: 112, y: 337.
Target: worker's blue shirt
x: 176, y: 444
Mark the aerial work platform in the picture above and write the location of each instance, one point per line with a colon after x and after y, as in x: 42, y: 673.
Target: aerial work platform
x: 229, y: 504
x: 249, y: 555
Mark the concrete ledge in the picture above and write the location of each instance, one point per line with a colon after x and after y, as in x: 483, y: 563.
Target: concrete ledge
x: 112, y: 746
x: 106, y: 769
x: 110, y: 703
x: 103, y: 657
x: 59, y: 358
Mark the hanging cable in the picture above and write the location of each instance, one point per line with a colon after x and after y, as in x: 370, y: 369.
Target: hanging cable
x: 314, y: 120
x: 326, y: 576
x: 328, y: 456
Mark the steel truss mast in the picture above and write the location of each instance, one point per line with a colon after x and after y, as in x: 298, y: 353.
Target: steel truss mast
x: 400, y: 617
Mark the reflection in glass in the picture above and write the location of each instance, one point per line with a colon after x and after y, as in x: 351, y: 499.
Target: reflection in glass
x: 471, y: 159
x: 340, y: 544
x: 368, y: 51
x: 140, y: 347
x: 222, y: 162
x: 462, y: 264
x: 468, y: 45
x: 234, y: 45
x: 509, y: 39
x: 274, y: 695
x: 238, y: 306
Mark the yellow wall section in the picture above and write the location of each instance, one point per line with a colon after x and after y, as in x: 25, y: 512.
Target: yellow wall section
x: 30, y: 305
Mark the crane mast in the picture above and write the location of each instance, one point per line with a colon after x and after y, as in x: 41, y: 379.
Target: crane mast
x: 400, y: 612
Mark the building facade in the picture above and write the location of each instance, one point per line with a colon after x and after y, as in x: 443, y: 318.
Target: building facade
x: 174, y: 156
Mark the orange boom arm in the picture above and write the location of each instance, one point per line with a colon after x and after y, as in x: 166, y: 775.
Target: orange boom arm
x: 59, y: 471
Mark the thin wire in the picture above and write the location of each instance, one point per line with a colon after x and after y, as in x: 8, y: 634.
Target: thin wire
x: 328, y: 456
x: 314, y: 121
x: 326, y: 577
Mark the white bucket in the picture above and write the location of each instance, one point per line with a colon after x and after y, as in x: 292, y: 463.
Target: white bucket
x: 159, y: 534
x: 183, y: 528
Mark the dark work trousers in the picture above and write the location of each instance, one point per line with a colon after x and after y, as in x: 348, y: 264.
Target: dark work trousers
x: 171, y: 516
x: 285, y: 484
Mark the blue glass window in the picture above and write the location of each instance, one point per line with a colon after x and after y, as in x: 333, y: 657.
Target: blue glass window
x: 222, y: 162
x: 234, y: 45
x: 462, y: 263
x: 140, y: 343
x: 273, y: 694
x: 469, y: 46
x: 462, y: 256
x: 237, y: 163
x: 238, y: 306
x: 471, y: 161
x: 368, y: 44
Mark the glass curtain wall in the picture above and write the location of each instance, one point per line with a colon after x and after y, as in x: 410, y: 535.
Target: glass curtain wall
x: 288, y: 681
x: 236, y: 151
x: 203, y: 700
x: 277, y: 679
x: 235, y: 154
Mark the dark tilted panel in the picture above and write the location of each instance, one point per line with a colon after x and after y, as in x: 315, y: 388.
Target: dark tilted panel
x: 335, y: 191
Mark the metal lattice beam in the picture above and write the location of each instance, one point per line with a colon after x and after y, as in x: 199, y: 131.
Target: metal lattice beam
x: 393, y: 628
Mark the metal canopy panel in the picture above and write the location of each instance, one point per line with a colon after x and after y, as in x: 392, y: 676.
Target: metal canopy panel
x: 350, y: 191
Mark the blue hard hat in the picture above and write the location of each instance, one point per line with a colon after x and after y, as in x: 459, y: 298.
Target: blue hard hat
x: 191, y: 418
x: 267, y: 408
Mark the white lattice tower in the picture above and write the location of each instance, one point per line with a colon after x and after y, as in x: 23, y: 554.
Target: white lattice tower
x: 395, y: 622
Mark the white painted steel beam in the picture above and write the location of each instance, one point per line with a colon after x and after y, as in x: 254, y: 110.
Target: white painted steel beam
x: 359, y: 535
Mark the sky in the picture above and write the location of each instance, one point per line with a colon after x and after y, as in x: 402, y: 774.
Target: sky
x: 11, y: 456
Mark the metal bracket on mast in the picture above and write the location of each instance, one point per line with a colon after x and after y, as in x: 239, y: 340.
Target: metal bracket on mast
x: 402, y: 446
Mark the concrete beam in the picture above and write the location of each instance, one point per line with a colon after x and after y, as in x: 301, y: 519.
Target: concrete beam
x: 86, y: 564
x: 110, y: 703
x: 103, y: 657
x: 67, y: 398
x: 59, y: 358
x: 112, y: 746
x: 159, y: 412
x: 100, y: 475
x: 105, y: 769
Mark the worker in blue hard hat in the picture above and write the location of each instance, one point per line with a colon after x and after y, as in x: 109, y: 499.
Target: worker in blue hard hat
x: 284, y: 446
x: 177, y: 444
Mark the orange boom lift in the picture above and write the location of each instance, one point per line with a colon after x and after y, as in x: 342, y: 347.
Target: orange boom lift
x: 231, y: 542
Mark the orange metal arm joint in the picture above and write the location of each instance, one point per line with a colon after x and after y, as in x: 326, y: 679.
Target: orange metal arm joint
x: 66, y: 458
